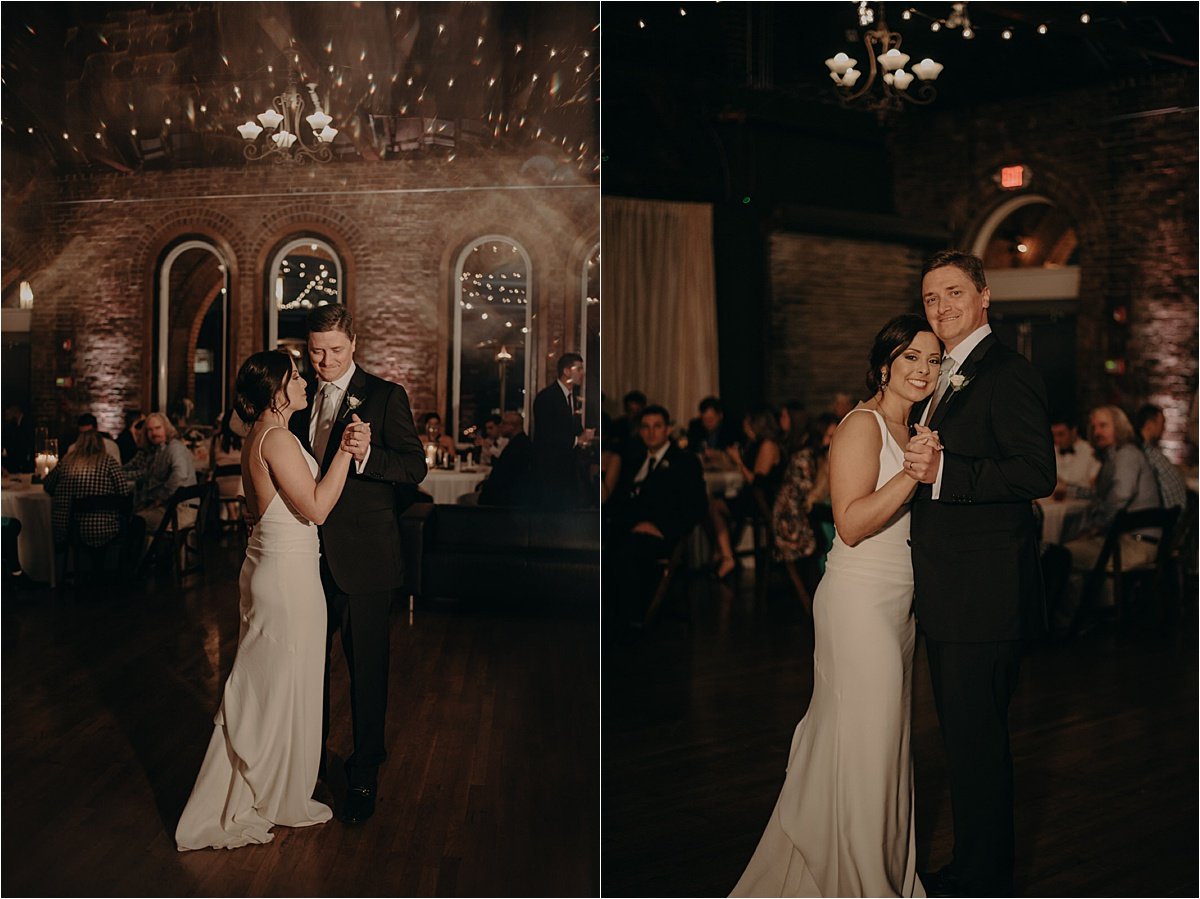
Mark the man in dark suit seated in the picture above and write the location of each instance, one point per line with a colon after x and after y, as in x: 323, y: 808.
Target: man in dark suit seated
x: 656, y: 504
x: 710, y: 434
x: 508, y: 484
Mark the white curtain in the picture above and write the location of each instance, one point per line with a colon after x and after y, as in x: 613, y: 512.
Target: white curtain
x: 659, y: 312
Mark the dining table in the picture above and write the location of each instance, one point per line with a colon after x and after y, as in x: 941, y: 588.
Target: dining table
x: 30, y: 504
x: 446, y: 485
x: 1059, y: 516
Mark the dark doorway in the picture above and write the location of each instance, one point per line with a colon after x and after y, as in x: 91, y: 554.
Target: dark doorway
x: 1045, y: 335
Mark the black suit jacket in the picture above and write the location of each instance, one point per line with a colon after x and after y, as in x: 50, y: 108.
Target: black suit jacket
x: 672, y: 497
x: 555, y: 427
x: 507, y: 485
x: 975, y: 550
x: 361, y: 536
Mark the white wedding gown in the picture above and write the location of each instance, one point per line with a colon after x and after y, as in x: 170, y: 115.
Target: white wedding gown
x: 843, y: 824
x: 261, y: 766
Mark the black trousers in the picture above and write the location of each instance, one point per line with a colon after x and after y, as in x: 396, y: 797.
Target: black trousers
x: 362, y: 620
x: 973, y: 684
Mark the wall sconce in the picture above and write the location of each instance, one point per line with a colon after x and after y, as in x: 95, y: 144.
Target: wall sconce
x: 26, y: 295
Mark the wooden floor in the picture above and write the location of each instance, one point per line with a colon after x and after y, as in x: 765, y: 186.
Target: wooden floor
x: 491, y: 787
x: 698, y: 721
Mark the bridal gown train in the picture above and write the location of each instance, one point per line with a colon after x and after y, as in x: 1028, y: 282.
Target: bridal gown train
x: 261, y: 766
x: 843, y: 824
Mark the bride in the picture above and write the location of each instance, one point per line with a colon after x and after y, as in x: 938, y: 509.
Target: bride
x: 261, y: 766
x: 843, y: 824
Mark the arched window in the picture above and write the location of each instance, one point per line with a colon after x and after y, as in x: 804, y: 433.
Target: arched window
x: 305, y: 272
x: 192, y: 332
x: 1029, y: 247
x: 492, y: 324
x: 589, y: 337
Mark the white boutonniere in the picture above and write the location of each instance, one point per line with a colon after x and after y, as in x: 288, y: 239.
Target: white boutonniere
x: 353, y: 402
x: 958, y: 382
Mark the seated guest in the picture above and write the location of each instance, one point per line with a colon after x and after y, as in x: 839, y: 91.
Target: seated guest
x: 710, y: 434
x: 488, y: 439
x: 126, y: 441
x: 818, y: 497
x: 656, y: 504
x: 87, y: 422
x: 625, y: 429
x: 1150, y: 424
x: 431, y: 432
x: 762, y: 468
x: 17, y: 439
x: 1125, y: 483
x: 162, y: 465
x: 87, y: 470
x: 508, y: 483
x: 794, y: 537
x: 1077, y: 464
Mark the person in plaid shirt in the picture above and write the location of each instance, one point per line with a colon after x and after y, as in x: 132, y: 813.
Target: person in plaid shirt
x: 88, y: 470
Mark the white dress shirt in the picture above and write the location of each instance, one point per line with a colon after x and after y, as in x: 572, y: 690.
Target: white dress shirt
x: 335, y: 397
x: 959, y: 355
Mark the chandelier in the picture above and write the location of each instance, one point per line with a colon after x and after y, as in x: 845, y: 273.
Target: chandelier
x: 287, y: 143
x: 897, y: 85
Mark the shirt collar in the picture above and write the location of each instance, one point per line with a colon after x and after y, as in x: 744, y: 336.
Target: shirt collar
x: 658, y: 457
x: 567, y: 390
x: 960, y: 353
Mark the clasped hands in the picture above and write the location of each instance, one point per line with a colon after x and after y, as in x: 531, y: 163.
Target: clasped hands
x: 923, y: 455
x: 356, y: 439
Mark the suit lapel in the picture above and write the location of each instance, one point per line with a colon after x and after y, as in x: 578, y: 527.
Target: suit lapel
x: 968, y: 369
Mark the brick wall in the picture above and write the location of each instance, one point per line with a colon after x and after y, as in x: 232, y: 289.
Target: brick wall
x: 830, y: 296
x: 1121, y: 162
x: 399, y: 227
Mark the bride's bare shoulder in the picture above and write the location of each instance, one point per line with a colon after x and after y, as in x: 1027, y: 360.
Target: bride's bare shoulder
x: 858, y: 430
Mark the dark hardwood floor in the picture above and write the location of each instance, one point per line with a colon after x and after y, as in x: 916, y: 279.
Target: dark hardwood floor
x: 698, y: 721
x: 491, y: 786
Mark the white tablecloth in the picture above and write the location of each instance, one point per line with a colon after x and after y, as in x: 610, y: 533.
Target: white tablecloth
x: 30, y: 504
x: 1058, y: 513
x: 447, y: 486
x: 723, y: 483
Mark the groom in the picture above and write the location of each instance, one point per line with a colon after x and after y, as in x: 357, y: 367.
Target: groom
x: 975, y: 560
x: 360, y: 540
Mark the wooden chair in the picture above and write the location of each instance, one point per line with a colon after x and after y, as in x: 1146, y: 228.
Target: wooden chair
x: 184, y: 543
x: 233, y: 505
x: 671, y: 568
x: 1127, y: 579
x: 763, y: 545
x: 121, y: 504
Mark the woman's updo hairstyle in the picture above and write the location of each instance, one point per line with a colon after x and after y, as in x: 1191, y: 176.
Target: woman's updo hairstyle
x: 260, y: 380
x: 892, y: 340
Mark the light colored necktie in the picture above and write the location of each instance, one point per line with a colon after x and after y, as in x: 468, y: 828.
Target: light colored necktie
x: 325, y: 415
x: 943, y: 383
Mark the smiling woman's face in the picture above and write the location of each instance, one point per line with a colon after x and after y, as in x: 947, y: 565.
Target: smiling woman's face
x: 914, y: 371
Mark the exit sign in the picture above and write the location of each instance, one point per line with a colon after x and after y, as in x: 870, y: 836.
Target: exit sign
x: 1013, y: 177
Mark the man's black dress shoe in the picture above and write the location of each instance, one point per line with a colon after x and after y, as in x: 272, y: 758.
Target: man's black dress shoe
x: 360, y: 805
